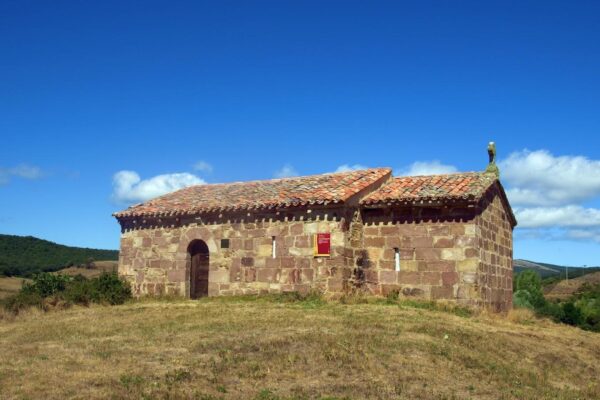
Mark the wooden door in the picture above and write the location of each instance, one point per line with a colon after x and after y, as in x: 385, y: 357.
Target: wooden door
x: 199, y: 267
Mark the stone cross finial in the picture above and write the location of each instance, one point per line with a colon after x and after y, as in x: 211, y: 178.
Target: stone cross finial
x: 492, y: 167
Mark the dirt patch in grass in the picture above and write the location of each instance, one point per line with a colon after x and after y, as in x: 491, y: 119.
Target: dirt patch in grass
x: 244, y: 348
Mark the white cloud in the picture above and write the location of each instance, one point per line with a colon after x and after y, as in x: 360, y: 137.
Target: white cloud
x: 285, y: 172
x: 566, y: 216
x: 427, y: 168
x: 548, y: 192
x: 348, y: 168
x: 583, y: 234
x: 128, y: 187
x: 538, y: 178
x: 24, y: 171
x: 203, y: 166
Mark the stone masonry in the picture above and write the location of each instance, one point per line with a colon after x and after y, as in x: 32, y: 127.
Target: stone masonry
x: 444, y: 237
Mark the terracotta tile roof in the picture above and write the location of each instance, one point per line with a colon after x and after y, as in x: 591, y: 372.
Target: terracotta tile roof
x: 286, y: 192
x: 465, y: 186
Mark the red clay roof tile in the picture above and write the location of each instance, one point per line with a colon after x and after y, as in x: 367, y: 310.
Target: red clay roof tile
x: 468, y: 185
x: 286, y: 192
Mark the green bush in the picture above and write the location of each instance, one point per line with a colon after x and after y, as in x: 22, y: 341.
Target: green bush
x: 23, y: 300
x: 522, y: 299
x: 108, y: 288
x: 111, y: 289
x: 551, y: 310
x: 531, y: 282
x: 45, y: 284
x: 572, y: 314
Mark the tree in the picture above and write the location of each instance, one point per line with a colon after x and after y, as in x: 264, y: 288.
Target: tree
x: 531, y: 282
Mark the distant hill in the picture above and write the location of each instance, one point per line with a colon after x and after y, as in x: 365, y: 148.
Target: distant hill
x: 24, y: 255
x: 551, y: 270
x: 563, y: 289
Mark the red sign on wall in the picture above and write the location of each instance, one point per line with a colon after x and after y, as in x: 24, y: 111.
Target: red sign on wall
x: 322, y: 244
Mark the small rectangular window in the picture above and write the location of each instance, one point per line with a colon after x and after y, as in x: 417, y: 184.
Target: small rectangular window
x: 273, y: 246
x: 397, y: 258
x: 224, y: 243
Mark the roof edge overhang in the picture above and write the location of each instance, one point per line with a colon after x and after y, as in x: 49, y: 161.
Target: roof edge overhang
x: 122, y: 216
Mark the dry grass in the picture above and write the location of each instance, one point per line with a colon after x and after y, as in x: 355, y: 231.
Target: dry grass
x: 565, y: 289
x: 10, y: 286
x: 99, y: 267
x: 240, y: 348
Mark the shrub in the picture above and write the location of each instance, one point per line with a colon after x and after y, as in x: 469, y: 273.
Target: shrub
x: 572, y: 314
x: 45, y: 284
x: 109, y: 288
x: 531, y: 282
x: 23, y: 300
x: 80, y: 291
x: 59, y: 291
x: 553, y: 311
x: 522, y: 299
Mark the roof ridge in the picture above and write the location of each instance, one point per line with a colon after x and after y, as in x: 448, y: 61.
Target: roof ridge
x: 442, y: 175
x: 289, y: 177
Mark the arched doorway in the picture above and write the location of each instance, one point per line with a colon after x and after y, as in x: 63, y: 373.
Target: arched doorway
x: 199, y: 261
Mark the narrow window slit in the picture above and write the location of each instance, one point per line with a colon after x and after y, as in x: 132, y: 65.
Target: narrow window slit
x: 397, y: 258
x: 273, y: 246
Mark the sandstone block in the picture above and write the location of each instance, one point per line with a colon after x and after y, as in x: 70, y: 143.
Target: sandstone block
x: 176, y: 275
x: 430, y: 278
x: 449, y: 278
x: 442, y: 292
x: 388, y: 277
x: 422, y: 241
x: 389, y: 230
x: 371, y: 231
x: 436, y: 266
x: 468, y: 265
x: 444, y: 242
x: 453, y: 254
x: 219, y: 276
x: 374, y: 242
x: 408, y: 278
x: 409, y: 265
x: 429, y: 254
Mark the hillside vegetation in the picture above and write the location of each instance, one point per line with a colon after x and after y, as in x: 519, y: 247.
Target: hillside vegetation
x: 552, y: 272
x: 564, y: 289
x: 284, y: 348
x: 25, y: 255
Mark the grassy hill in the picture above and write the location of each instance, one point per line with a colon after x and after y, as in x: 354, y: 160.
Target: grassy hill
x: 563, y: 289
x: 24, y: 255
x: 240, y: 348
x: 551, y: 270
x: 10, y: 285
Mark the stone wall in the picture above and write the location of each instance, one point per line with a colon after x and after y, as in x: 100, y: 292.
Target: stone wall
x: 439, y: 255
x: 495, y: 270
x: 458, y: 253
x: 155, y: 260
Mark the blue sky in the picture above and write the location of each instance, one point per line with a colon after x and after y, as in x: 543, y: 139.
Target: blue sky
x: 176, y: 93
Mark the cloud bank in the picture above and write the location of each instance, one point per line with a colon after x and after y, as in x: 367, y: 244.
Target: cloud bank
x: 548, y: 194
x: 128, y: 186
